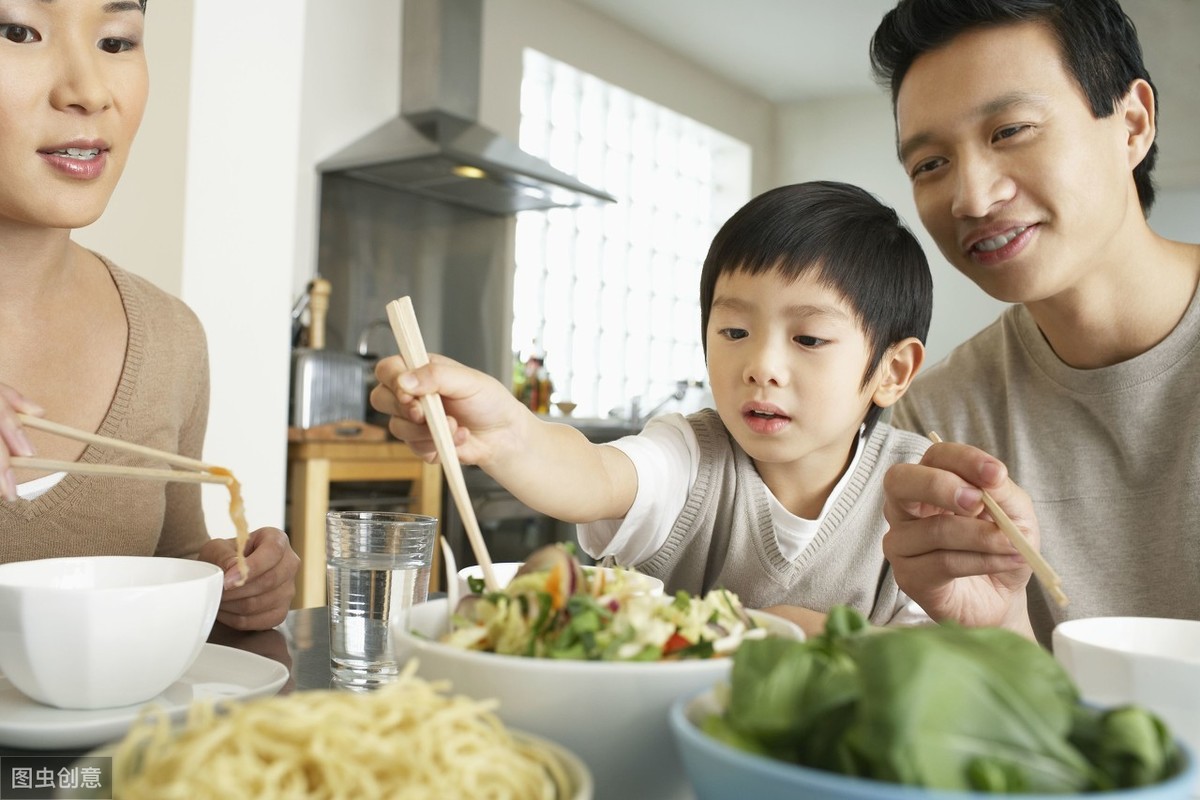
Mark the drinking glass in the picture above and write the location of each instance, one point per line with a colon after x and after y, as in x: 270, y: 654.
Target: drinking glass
x: 377, y: 566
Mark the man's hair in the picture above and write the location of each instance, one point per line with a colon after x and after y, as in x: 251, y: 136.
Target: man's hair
x: 1098, y: 42
x: 849, y: 240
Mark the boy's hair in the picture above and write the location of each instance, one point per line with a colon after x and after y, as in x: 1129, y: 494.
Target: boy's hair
x: 1098, y: 43
x: 853, y: 243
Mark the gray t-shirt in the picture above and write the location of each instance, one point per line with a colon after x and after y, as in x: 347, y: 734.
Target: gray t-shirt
x: 1110, y: 457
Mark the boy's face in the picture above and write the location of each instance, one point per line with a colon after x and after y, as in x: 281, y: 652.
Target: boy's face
x: 73, y: 86
x: 786, y: 362
x: 1023, y: 190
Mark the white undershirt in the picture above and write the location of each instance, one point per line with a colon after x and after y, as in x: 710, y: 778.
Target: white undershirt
x: 31, y: 490
x: 666, y: 456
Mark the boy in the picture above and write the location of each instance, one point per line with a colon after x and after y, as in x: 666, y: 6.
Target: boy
x: 1027, y: 128
x: 815, y: 302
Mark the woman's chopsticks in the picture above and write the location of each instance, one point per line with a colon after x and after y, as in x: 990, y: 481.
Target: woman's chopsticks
x: 201, y: 472
x: 1041, y: 567
x: 412, y: 348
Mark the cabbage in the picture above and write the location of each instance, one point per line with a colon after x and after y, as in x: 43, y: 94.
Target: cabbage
x: 938, y: 706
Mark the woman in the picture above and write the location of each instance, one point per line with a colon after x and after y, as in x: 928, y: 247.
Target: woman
x: 83, y: 342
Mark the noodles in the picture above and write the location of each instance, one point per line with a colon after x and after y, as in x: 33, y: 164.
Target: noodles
x: 237, y: 513
x: 409, y: 740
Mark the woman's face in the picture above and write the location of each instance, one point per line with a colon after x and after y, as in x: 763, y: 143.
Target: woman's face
x: 73, y: 86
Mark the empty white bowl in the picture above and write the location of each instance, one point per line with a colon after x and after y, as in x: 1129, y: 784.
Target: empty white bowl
x: 103, y: 631
x: 612, y: 714
x: 505, y: 570
x: 1147, y: 661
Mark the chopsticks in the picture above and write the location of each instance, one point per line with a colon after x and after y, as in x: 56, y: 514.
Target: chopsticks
x: 201, y: 471
x: 412, y: 348
x: 1041, y: 567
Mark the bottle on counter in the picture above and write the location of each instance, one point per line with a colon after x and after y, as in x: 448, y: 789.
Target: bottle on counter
x: 544, y: 389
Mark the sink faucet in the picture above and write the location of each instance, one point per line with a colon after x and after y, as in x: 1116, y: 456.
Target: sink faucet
x: 364, y: 338
x: 637, y: 417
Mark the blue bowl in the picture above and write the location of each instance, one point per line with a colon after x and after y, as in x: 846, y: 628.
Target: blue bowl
x: 720, y: 772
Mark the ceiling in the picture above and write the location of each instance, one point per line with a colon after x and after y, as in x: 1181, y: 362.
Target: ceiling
x: 789, y: 51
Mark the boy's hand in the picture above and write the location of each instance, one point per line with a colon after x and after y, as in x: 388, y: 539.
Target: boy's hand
x: 946, y: 552
x: 482, y: 413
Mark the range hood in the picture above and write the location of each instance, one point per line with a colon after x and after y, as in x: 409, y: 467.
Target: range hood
x: 436, y: 149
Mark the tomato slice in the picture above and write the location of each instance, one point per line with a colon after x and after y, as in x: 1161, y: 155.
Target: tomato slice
x: 676, y: 642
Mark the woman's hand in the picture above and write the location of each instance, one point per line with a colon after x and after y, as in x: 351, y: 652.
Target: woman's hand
x: 264, y: 599
x: 13, y: 441
x: 945, y: 550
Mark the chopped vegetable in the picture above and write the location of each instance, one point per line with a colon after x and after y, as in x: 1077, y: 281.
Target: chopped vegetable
x: 942, y: 707
x: 554, y: 608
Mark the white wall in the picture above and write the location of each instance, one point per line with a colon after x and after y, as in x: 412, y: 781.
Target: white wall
x: 1176, y: 214
x: 207, y: 211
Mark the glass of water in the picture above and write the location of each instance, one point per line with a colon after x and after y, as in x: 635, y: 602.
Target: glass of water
x: 377, y: 566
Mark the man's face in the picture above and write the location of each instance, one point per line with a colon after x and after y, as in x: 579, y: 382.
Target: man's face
x: 1023, y: 190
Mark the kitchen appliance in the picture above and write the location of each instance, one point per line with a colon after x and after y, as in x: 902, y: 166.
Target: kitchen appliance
x: 327, y: 386
x: 436, y: 148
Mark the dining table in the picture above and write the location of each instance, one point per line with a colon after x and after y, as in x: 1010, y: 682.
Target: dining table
x: 300, y: 644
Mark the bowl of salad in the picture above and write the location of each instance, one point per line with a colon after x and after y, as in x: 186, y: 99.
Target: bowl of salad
x: 934, y: 712
x: 591, y: 664
x: 472, y: 576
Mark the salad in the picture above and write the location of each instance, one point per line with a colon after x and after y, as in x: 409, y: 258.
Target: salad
x: 555, y: 608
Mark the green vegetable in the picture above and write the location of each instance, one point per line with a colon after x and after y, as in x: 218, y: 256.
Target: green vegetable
x: 942, y: 707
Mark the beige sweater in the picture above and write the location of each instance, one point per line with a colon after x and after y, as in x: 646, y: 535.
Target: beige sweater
x: 161, y: 402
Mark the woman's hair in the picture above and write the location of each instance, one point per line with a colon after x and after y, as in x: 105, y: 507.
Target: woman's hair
x: 849, y: 240
x: 1099, y: 45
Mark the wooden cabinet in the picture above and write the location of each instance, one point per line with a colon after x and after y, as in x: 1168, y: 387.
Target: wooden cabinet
x: 314, y: 465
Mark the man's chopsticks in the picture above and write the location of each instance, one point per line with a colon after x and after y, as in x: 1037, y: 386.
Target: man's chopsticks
x: 412, y: 349
x: 1041, y: 567
x: 200, y: 471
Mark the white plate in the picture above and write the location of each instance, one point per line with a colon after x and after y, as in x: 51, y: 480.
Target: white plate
x: 219, y: 672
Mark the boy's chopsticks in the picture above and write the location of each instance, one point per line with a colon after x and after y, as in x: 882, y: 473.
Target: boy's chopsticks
x: 412, y: 348
x: 201, y: 471
x: 1041, y: 567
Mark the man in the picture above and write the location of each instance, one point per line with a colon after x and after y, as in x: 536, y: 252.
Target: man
x: 1027, y: 128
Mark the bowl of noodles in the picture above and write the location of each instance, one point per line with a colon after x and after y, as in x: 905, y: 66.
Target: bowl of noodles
x: 410, y: 739
x: 603, y: 690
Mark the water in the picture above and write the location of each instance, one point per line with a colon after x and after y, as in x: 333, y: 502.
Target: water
x: 366, y: 601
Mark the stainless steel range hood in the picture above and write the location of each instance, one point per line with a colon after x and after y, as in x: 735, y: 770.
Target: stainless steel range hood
x: 436, y: 149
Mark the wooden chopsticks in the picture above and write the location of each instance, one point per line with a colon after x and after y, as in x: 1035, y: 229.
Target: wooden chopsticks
x: 1041, y: 567
x: 200, y: 471
x: 412, y: 348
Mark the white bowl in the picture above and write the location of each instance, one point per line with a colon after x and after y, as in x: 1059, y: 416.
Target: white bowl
x: 505, y: 570
x: 612, y: 714
x: 1148, y: 661
x: 104, y: 631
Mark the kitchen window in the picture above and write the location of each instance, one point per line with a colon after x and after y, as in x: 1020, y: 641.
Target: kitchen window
x: 610, y: 293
